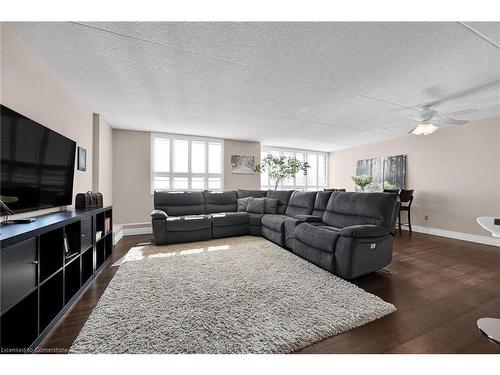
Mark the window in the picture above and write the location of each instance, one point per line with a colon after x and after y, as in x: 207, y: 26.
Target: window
x: 186, y: 163
x: 317, y: 175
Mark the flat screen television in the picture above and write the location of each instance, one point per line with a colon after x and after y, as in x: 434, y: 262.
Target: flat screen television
x: 37, y: 165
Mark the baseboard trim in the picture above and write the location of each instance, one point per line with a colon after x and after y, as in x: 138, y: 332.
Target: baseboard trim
x: 117, y: 236
x: 137, y: 230
x: 485, y: 240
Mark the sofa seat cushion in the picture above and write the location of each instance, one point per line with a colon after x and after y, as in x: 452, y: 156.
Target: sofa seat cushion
x: 188, y: 223
x: 255, y: 219
x: 274, y: 222
x: 321, y: 237
x: 225, y: 219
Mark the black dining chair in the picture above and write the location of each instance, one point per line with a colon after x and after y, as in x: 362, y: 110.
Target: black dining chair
x: 405, y: 198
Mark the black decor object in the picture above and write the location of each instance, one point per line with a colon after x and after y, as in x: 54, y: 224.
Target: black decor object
x: 496, y: 221
x: 82, y: 159
x: 90, y: 199
x: 37, y: 165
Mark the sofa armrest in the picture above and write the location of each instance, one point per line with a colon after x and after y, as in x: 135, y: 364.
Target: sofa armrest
x: 364, y: 231
x: 307, y: 218
x: 292, y: 222
x: 159, y: 224
x: 158, y: 214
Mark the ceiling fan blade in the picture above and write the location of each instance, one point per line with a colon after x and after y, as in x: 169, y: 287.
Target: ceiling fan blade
x: 449, y: 121
x: 460, y: 113
x: 412, y: 129
x: 465, y: 93
x: 428, y: 114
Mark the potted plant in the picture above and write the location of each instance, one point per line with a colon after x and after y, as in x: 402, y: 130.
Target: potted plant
x: 362, y: 181
x: 281, y: 167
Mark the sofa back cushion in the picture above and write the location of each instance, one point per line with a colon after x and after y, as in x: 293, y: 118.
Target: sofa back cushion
x: 270, y: 205
x: 301, y: 203
x: 243, y: 203
x: 242, y: 193
x: 283, y: 196
x: 179, y: 203
x: 345, y: 209
x: 256, y: 205
x: 223, y: 201
x: 321, y: 202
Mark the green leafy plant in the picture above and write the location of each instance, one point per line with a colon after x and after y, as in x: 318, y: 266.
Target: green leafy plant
x: 362, y: 181
x: 281, y: 167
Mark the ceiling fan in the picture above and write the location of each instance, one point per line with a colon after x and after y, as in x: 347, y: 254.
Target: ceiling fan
x: 429, y: 120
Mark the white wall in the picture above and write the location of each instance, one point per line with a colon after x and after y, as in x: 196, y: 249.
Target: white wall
x: 455, y: 173
x: 132, y: 198
x: 133, y: 201
x: 233, y: 181
x: 30, y: 87
x: 102, y: 180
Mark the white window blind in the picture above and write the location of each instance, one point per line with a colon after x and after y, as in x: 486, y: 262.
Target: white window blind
x: 317, y: 174
x: 186, y: 163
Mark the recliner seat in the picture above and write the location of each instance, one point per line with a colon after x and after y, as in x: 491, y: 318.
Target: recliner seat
x: 188, y: 228
x: 320, y: 203
x: 283, y: 197
x: 273, y: 226
x: 356, y: 236
x: 180, y: 217
x: 254, y: 220
x: 226, y: 220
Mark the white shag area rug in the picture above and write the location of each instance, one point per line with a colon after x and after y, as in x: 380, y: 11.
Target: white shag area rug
x: 233, y: 295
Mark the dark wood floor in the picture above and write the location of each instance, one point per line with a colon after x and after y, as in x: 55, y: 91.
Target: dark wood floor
x: 440, y: 287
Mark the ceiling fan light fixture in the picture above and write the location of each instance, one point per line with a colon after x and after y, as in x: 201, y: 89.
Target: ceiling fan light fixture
x: 424, y: 128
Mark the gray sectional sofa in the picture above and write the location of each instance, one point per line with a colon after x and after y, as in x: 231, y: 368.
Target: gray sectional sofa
x: 348, y: 234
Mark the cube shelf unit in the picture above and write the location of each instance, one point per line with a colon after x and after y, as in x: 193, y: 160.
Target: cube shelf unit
x: 45, y: 266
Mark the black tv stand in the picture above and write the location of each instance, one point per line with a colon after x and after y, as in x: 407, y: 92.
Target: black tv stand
x: 45, y: 265
x: 18, y: 221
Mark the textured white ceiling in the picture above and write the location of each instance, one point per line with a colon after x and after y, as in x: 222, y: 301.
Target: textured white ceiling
x: 321, y: 86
